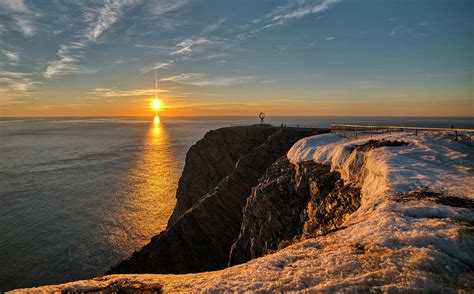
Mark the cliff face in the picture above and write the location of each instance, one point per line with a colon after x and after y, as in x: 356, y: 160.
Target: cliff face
x: 206, y: 224
x: 211, y: 159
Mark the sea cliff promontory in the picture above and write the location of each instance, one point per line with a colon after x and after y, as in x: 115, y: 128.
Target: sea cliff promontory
x: 283, y: 209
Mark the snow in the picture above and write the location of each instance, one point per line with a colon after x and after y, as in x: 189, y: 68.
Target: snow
x: 387, y: 245
x: 431, y: 160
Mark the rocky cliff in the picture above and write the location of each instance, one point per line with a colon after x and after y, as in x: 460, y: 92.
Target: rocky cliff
x: 291, y: 203
x: 220, y: 172
x: 211, y: 159
x: 385, y: 213
x: 296, y: 201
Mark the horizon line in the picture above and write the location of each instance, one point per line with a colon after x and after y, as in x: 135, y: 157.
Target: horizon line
x: 146, y: 116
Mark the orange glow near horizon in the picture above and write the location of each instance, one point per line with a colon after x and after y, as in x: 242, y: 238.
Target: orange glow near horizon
x: 237, y: 106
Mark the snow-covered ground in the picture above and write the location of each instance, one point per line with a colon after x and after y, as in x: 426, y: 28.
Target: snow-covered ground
x: 393, y: 242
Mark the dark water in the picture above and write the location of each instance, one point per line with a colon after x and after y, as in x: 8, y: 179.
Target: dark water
x: 79, y: 194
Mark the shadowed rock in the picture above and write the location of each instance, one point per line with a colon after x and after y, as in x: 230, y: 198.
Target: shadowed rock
x: 425, y: 194
x: 374, y: 144
x: 211, y: 159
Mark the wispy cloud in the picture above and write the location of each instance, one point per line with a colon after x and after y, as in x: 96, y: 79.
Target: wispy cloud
x: 13, y: 75
x: 110, y: 93
x: 202, y: 48
x: 184, y: 77
x: 68, y: 55
x: 281, y: 15
x: 161, y: 7
x: 103, y: 17
x: 99, y: 19
x: 13, y: 57
x: 209, y: 45
x: 190, y: 45
x: 165, y: 13
x: 156, y: 66
x: 21, y: 14
x: 213, y: 27
x: 203, y: 42
x: 298, y: 9
x: 160, y: 48
x: 16, y: 83
x: 200, y: 79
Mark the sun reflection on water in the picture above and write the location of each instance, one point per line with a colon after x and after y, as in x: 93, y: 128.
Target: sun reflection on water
x: 150, y: 196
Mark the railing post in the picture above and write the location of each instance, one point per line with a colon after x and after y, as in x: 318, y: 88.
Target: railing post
x: 416, y: 132
x: 455, y: 135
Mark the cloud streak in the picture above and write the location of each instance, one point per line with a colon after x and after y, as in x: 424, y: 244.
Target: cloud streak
x: 161, y: 7
x: 156, y: 66
x: 207, y: 45
x: 68, y: 55
x: 21, y: 15
x: 102, y: 18
x: 16, y: 83
x: 200, y: 79
x: 191, y: 45
x: 99, y: 19
x: 299, y: 9
x: 213, y: 27
x: 113, y: 93
x: 281, y: 15
x: 13, y: 57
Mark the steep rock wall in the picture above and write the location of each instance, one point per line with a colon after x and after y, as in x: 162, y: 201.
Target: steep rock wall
x: 211, y: 159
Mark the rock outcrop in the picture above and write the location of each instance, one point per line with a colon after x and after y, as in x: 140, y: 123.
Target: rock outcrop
x: 200, y: 238
x: 291, y: 203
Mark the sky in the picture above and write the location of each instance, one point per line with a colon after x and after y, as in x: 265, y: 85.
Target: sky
x: 237, y: 57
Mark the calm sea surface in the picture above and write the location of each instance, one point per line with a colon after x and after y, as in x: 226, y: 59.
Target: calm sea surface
x: 79, y: 194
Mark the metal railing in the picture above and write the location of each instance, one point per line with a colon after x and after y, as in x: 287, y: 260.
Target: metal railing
x: 338, y: 128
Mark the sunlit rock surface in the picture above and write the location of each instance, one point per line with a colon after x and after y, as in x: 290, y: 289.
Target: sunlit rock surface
x: 291, y: 203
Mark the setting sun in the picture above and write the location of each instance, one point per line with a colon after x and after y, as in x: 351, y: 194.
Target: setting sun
x: 156, y: 104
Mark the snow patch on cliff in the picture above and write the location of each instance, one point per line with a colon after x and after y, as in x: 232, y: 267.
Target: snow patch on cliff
x: 431, y: 160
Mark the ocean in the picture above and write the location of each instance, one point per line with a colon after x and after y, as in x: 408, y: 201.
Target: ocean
x: 79, y: 194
